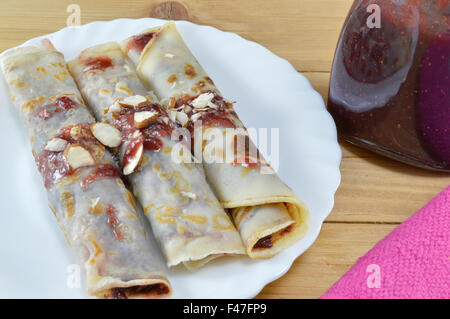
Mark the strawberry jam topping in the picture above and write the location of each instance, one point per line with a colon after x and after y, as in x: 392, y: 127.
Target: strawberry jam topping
x: 97, y: 63
x: 61, y: 104
x: 150, y: 136
x: 53, y: 166
x: 101, y: 172
x: 138, y: 42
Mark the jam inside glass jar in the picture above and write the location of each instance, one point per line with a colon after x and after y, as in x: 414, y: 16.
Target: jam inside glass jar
x: 390, y: 81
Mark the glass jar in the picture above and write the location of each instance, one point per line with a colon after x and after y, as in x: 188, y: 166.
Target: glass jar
x: 390, y: 81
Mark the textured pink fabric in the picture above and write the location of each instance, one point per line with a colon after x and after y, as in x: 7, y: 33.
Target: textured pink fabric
x: 413, y: 261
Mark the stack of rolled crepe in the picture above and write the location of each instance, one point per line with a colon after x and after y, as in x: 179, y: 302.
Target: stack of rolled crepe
x: 186, y: 218
x: 267, y: 213
x: 91, y: 203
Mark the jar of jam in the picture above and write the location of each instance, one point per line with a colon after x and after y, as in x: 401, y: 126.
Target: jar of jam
x: 390, y: 81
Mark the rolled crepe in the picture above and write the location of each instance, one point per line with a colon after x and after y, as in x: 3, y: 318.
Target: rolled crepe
x: 186, y: 217
x: 86, y: 194
x: 268, y: 214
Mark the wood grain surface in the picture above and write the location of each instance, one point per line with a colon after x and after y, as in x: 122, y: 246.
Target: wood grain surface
x: 376, y: 194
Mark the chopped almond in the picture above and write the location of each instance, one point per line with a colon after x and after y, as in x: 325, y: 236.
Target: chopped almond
x: 132, y: 162
x: 134, y: 101
x: 56, y: 144
x: 172, y: 115
x: 77, y: 156
x: 143, y: 119
x: 115, y: 107
x: 202, y: 100
x: 190, y: 195
x: 107, y: 134
x: 182, y: 118
x: 75, y: 132
x: 195, y: 117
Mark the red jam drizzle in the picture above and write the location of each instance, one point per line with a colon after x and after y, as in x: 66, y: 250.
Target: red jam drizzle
x: 113, y: 222
x: 152, y: 143
x: 247, y: 162
x: 220, y: 117
x: 61, y: 104
x: 86, y: 139
x: 97, y: 63
x: 132, y: 150
x: 124, y: 121
x: 101, y: 172
x: 217, y: 118
x: 53, y: 165
x: 138, y: 42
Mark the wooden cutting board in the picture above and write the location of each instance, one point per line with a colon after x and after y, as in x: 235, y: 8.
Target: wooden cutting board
x: 376, y: 194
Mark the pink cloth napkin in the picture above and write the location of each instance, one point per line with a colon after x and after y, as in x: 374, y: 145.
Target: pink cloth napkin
x: 413, y: 261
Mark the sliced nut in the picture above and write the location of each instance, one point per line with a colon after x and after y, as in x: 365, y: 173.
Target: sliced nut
x: 107, y: 134
x: 56, y: 144
x: 115, y: 107
x: 212, y: 105
x: 195, y: 117
x: 133, y: 161
x: 75, y: 132
x: 77, y: 156
x: 187, y: 109
x: 182, y: 118
x: 143, y: 119
x: 173, y: 115
x: 189, y: 195
x: 202, y: 100
x: 134, y: 101
x: 165, y: 120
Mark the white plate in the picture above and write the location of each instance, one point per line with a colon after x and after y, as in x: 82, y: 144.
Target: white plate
x: 270, y: 93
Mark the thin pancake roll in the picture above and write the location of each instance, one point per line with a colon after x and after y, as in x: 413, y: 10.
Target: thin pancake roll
x: 85, y: 192
x: 186, y: 217
x: 268, y: 214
